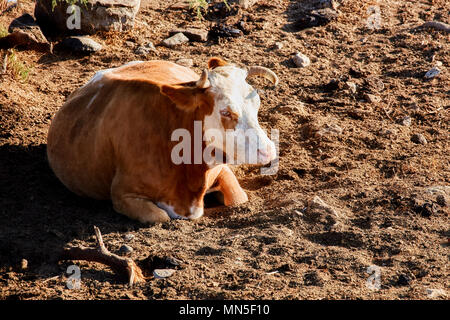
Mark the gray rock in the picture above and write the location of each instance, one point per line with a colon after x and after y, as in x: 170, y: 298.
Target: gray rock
x: 278, y: 45
x: 97, y: 15
x: 406, y: 121
x: 419, y: 138
x: 163, y: 273
x: 129, y: 237
x: 185, y: 62
x: 175, y: 40
x: 145, y: 49
x: 193, y: 34
x: 125, y: 249
x: 351, y: 86
x: 301, y: 60
x: 81, y: 45
x: 432, y: 73
x: 24, y: 31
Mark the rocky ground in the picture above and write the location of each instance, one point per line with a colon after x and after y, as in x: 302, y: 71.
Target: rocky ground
x: 363, y: 179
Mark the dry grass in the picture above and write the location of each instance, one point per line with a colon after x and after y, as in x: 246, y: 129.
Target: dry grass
x: 3, y: 5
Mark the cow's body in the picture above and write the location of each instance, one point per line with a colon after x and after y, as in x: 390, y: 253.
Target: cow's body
x: 112, y: 140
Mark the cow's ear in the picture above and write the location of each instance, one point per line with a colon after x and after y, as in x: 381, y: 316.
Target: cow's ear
x: 216, y: 62
x: 186, y: 97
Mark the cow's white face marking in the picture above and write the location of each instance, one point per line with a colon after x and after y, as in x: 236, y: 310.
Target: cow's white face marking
x: 235, y: 114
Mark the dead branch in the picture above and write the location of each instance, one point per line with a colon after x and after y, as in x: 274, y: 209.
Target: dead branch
x: 125, y: 267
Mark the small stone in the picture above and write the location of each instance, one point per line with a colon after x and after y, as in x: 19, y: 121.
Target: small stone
x: 24, y: 264
x: 129, y: 237
x: 125, y: 249
x: 436, y: 293
x: 247, y: 3
x: 81, y: 44
x: 185, y: 62
x: 175, y: 40
x: 372, y: 98
x: 418, y: 138
x: 432, y: 73
x: 146, y: 49
x: 351, y: 86
x: 278, y: 45
x: 301, y: 60
x: 406, y: 121
x: 163, y: 273
x: 193, y: 34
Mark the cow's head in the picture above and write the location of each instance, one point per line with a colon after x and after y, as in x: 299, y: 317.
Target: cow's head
x: 231, y: 124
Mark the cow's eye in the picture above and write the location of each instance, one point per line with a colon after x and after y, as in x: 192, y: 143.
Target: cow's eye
x: 225, y: 113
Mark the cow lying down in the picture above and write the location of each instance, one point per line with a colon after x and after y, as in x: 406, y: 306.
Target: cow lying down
x: 112, y: 139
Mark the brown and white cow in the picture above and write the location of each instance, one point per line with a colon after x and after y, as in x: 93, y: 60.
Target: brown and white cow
x: 112, y: 137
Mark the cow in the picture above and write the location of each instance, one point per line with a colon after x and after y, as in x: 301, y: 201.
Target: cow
x: 112, y: 139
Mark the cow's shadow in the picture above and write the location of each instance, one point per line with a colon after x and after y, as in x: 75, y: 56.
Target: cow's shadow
x: 39, y: 216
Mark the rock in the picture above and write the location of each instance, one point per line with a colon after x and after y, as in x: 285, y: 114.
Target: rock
x: 24, y: 264
x: 315, y: 18
x: 125, y: 249
x: 24, y: 31
x: 145, y: 49
x: 301, y: 60
x: 278, y: 45
x: 163, y: 273
x: 185, y: 62
x: 80, y: 45
x: 193, y: 34
x: 96, y: 15
x: 351, y: 86
x: 224, y: 31
x: 419, y: 138
x: 247, y: 3
x: 175, y: 40
x: 406, y: 121
x: 129, y: 237
x: 372, y: 98
x: 436, y: 293
x: 432, y: 73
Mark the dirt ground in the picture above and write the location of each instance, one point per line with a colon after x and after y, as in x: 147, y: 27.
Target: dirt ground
x: 392, y: 195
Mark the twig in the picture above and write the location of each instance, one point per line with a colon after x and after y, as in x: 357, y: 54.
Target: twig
x: 125, y: 267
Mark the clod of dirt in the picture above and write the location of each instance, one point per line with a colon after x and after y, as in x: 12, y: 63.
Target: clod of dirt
x: 351, y: 86
x: 318, y: 210
x: 404, y: 280
x: 419, y: 138
x: 372, y: 98
x: 312, y: 278
x: 146, y: 49
x: 152, y: 263
x: 406, y: 121
x: 425, y: 210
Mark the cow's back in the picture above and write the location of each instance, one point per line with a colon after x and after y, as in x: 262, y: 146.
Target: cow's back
x: 89, y: 132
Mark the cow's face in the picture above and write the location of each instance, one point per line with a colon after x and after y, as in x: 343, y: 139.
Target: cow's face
x: 233, y: 125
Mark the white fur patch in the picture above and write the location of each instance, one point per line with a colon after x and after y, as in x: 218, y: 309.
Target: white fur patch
x: 196, y: 212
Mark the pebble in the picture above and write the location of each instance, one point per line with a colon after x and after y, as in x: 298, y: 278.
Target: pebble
x: 125, y: 249
x: 351, y: 86
x: 278, y: 45
x: 163, y: 273
x: 432, y: 73
x: 193, y: 34
x: 146, y: 49
x: 24, y: 264
x: 372, y: 98
x: 418, y: 138
x: 175, y: 40
x: 301, y: 60
x: 185, y: 62
x: 406, y: 121
x: 129, y: 237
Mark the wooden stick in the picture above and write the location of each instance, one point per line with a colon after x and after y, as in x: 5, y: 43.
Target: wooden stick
x: 125, y: 267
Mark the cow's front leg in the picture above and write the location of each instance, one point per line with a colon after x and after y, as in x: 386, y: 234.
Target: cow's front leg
x: 136, y: 206
x: 226, y: 182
